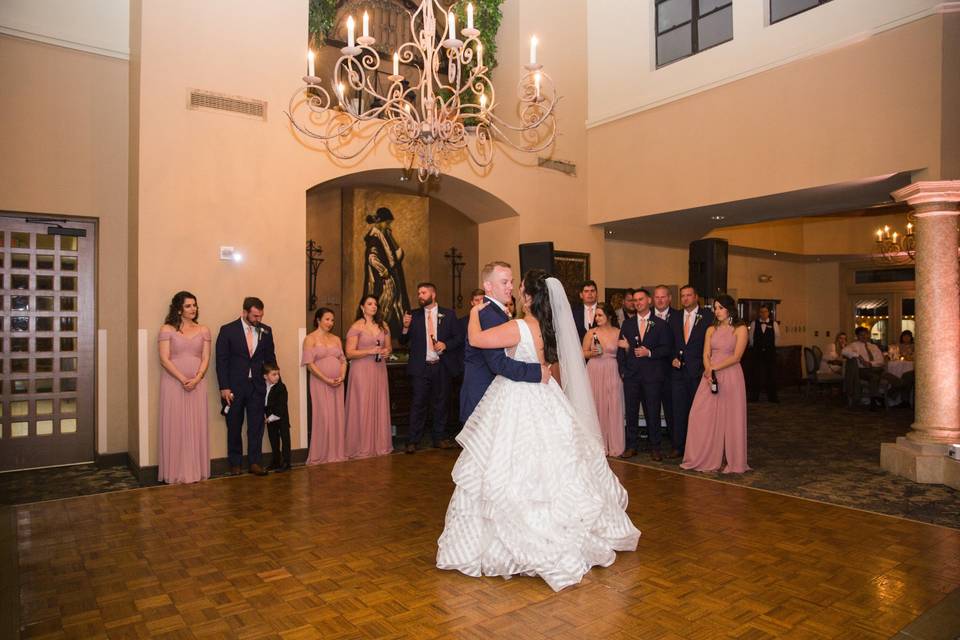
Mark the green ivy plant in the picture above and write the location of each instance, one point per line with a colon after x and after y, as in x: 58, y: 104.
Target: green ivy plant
x: 486, y: 17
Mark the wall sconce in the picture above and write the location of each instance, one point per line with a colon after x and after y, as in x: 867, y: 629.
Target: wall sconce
x: 313, y: 266
x: 764, y: 278
x: 230, y: 254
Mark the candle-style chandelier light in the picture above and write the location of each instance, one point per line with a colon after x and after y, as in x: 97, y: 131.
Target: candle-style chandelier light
x: 438, y: 115
x: 894, y: 247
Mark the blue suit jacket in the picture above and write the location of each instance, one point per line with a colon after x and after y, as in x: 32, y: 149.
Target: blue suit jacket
x: 693, y: 348
x: 448, y: 332
x: 658, y: 338
x: 481, y: 366
x: 235, y: 366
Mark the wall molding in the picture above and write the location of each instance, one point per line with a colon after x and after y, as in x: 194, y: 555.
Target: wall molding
x: 143, y: 400
x: 66, y: 44
x: 942, y: 8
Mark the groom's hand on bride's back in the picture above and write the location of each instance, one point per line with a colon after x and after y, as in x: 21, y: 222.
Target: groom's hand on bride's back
x: 546, y: 372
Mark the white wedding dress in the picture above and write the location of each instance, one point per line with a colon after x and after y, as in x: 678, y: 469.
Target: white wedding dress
x: 534, y: 493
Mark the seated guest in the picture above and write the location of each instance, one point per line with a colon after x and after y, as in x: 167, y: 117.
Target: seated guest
x: 600, y: 349
x: 327, y: 366
x: 904, y: 348
x: 870, y: 361
x: 832, y: 361
x: 369, y: 430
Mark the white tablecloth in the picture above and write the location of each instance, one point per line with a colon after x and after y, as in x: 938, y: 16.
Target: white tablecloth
x: 899, y: 367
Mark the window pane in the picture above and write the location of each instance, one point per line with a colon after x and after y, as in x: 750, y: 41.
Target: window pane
x: 706, y: 6
x: 19, y: 345
x: 20, y: 365
x: 20, y: 408
x: 68, y: 263
x: 67, y: 344
x: 20, y: 386
x: 68, y: 303
x: 44, y: 385
x: 44, y: 427
x: 44, y: 407
x: 20, y: 240
x: 21, y: 281
x: 19, y: 323
x: 44, y: 303
x: 20, y: 303
x: 45, y: 324
x: 69, y: 425
x: 19, y: 429
x: 67, y: 323
x: 45, y: 242
x: 780, y: 9
x: 672, y: 13
x: 20, y: 260
x: 674, y: 45
x: 2, y: 235
x: 68, y: 243
x: 43, y: 365
x: 68, y: 283
x: 44, y: 262
x: 43, y: 345
x: 68, y: 384
x: 68, y: 406
x: 45, y: 283
x: 68, y: 364
x: 715, y: 28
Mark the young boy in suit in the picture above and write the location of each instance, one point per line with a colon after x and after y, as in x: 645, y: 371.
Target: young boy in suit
x: 277, y: 418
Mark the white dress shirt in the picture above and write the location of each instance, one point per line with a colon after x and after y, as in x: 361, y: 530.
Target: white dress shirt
x: 256, y: 338
x: 691, y: 317
x: 869, y: 352
x: 589, y: 311
x: 430, y: 321
x: 763, y: 329
x: 271, y: 417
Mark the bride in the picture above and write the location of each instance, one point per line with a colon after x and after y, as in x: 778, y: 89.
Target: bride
x: 534, y: 493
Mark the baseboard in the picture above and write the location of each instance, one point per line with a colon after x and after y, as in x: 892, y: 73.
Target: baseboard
x: 148, y: 476
x: 105, y: 460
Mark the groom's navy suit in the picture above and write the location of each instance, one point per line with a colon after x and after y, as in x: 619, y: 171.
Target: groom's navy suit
x: 242, y: 373
x: 644, y: 378
x: 481, y: 366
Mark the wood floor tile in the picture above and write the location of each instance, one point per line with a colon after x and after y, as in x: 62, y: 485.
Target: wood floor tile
x: 347, y: 551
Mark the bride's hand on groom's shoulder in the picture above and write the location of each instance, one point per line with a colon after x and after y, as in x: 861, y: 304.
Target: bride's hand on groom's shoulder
x: 480, y: 307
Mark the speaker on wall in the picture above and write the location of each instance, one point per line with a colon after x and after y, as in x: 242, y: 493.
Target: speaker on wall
x: 536, y: 255
x: 708, y: 266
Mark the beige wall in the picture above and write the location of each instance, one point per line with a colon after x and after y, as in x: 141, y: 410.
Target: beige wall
x: 63, y: 122
x: 867, y: 109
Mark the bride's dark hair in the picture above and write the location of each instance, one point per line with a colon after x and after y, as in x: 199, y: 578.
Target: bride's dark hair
x: 535, y: 286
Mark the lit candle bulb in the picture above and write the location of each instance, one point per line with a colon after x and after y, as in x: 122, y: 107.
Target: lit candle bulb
x: 340, y: 90
x: 909, y: 228
x: 533, y: 50
x: 366, y: 25
x: 396, y: 63
x: 350, y: 41
x: 310, y: 66
x: 479, y: 54
x: 483, y: 102
x: 469, y: 15
x: 879, y: 235
x: 894, y: 236
x: 886, y: 230
x: 536, y: 84
x: 452, y: 21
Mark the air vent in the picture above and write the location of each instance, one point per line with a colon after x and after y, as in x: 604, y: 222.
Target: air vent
x: 247, y: 107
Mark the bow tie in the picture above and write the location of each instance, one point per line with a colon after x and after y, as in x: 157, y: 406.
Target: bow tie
x: 764, y: 322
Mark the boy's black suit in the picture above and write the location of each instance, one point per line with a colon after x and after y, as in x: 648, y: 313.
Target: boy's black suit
x: 279, y: 430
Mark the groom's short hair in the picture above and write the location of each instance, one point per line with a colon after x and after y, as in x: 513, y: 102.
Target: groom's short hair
x: 488, y: 268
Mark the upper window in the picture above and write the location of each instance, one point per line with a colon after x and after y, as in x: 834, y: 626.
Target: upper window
x: 783, y: 9
x: 686, y: 27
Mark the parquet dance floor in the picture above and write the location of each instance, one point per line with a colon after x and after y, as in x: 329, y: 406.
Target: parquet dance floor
x: 347, y: 551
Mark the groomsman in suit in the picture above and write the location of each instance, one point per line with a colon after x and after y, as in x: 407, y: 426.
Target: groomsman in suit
x: 764, y: 336
x: 243, y: 347
x: 645, y: 342
x: 689, y: 333
x: 583, y: 313
x: 434, y: 336
x: 663, y: 309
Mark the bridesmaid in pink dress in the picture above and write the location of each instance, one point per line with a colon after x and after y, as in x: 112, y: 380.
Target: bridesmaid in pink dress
x: 605, y: 377
x: 327, y: 366
x: 718, y: 421
x: 368, y: 396
x: 184, y: 348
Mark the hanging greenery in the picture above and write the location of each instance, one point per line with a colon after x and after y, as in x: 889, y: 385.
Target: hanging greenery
x: 486, y: 17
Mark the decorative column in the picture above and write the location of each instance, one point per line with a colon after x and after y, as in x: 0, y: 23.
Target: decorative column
x: 921, y: 455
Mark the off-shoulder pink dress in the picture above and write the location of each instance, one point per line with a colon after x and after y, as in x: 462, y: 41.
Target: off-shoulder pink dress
x: 327, y: 435
x: 183, y: 445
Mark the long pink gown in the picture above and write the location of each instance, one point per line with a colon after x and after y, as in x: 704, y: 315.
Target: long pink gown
x: 183, y: 445
x: 368, y: 402
x: 608, y: 395
x: 718, y: 421
x: 327, y: 436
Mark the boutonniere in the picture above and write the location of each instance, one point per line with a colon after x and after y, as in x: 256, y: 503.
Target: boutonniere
x: 697, y: 320
x: 264, y: 331
x: 441, y: 316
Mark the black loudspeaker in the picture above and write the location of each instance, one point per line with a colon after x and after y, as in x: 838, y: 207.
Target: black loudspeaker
x: 536, y: 255
x: 708, y: 266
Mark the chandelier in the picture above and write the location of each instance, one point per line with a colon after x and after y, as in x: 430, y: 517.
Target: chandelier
x: 437, y: 118
x: 894, y: 247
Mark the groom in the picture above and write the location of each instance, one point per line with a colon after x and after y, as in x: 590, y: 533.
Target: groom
x: 481, y: 366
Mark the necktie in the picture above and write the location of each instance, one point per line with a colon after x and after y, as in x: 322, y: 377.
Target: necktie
x: 250, y: 340
x: 590, y: 313
x: 643, y: 328
x: 687, y: 324
x: 430, y: 334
